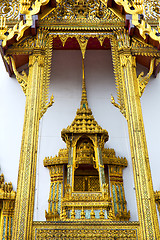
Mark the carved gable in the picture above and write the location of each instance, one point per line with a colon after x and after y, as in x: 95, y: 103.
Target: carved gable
x: 90, y: 11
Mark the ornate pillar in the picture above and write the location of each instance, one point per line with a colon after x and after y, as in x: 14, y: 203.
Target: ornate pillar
x: 34, y: 109
x: 27, y: 170
x: 129, y: 104
x: 56, y: 191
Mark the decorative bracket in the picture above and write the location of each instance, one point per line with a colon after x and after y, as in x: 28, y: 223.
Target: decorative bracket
x: 121, y: 108
x: 44, y: 109
x: 143, y: 81
x: 21, y: 78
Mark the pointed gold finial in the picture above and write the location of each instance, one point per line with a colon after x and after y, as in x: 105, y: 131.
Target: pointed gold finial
x: 84, y: 102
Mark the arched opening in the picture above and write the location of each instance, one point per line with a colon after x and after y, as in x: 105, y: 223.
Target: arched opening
x: 86, y: 176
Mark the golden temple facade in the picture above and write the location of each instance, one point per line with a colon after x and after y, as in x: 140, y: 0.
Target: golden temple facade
x: 87, y: 193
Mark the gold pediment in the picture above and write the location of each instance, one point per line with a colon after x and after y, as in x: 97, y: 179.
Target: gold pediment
x: 80, y: 11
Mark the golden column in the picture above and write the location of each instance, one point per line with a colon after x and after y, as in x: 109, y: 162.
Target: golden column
x: 27, y: 169
x: 130, y: 105
x: 36, y: 90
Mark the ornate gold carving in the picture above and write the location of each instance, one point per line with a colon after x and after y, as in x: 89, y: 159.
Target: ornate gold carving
x: 83, y: 15
x: 84, y: 121
x: 145, y: 28
x: 118, y: 196
x: 27, y: 169
x: 21, y: 78
x: 31, y: 7
x: 86, y: 183
x: 56, y: 193
x: 22, y: 25
x: 135, y: 8
x: 81, y: 11
x: 44, y: 41
x: 118, y: 80
x: 7, y: 202
x: 3, y: 28
x: 120, y: 107
x: 86, y: 190
x: 110, y: 158
x: 139, y: 47
x: 131, y: 6
x: 151, y: 10
x: 82, y: 40
x: 86, y: 230
x: 63, y: 38
x: 62, y: 158
x: 143, y: 184
x: 9, y: 10
x: 143, y: 81
x: 47, y: 106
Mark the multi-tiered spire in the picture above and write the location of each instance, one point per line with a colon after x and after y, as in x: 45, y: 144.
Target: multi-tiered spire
x: 84, y: 121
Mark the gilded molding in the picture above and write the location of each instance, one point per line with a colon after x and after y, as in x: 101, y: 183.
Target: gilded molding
x: 86, y: 229
x: 139, y: 47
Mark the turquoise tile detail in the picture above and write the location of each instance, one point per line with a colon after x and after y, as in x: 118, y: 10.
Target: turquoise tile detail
x: 118, y: 196
x: 77, y: 214
x: 4, y: 228
x: 8, y: 228
x: 114, y: 199
x: 68, y: 213
x: 51, y: 197
x: 105, y: 214
x: 97, y: 214
x: 59, y: 198
x: 122, y: 197
x: 11, y: 225
x: 55, y: 195
x: 87, y: 214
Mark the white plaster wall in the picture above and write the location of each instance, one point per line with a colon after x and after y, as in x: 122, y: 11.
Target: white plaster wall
x: 66, y: 87
x: 12, y: 105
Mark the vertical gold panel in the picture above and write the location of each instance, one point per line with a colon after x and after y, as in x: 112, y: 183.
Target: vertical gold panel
x: 142, y: 174
x: 26, y: 179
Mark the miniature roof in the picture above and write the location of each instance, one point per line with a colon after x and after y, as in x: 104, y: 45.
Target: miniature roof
x: 84, y: 121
